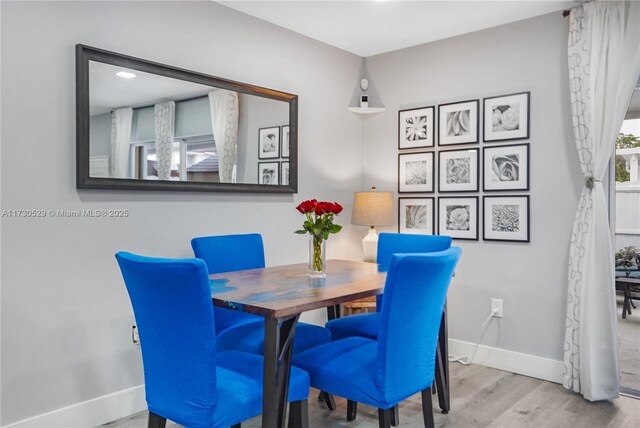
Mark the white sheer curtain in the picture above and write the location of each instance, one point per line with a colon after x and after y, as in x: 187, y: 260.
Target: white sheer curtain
x: 120, y: 141
x: 224, y: 119
x: 604, y: 63
x: 164, y: 134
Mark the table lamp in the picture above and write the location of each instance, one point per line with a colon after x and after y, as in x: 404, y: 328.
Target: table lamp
x: 372, y: 209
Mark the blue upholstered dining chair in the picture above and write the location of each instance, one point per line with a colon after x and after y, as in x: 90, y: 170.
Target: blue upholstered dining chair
x: 238, y: 330
x: 366, y: 325
x: 186, y: 380
x: 401, y: 362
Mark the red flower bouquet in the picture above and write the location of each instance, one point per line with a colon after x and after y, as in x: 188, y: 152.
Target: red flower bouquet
x: 319, y: 225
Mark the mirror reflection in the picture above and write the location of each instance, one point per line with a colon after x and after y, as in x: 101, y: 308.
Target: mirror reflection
x: 147, y: 126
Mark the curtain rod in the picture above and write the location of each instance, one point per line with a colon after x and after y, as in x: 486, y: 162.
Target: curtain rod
x: 567, y: 12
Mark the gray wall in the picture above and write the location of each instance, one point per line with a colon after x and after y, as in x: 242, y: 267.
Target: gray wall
x: 531, y: 278
x: 66, y: 318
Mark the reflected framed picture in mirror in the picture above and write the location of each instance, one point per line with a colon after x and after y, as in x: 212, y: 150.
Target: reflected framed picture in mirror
x: 268, y: 173
x: 142, y: 125
x: 285, y: 141
x: 269, y: 143
x: 284, y: 173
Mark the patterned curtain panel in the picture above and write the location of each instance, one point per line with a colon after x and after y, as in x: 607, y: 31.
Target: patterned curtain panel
x: 120, y: 141
x: 224, y: 118
x: 164, y: 133
x: 604, y: 63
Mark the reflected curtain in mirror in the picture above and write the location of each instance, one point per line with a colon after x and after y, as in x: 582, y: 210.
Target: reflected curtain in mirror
x: 224, y: 120
x: 164, y: 133
x: 121, y: 120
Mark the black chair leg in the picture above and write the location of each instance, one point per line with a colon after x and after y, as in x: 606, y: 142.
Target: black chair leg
x: 395, y: 416
x: 352, y: 410
x: 237, y: 426
x: 384, y: 418
x: 328, y: 399
x: 156, y: 421
x: 299, y: 414
x: 427, y: 408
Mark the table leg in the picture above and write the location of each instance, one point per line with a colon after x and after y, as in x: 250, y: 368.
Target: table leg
x: 278, y: 348
x: 442, y: 365
x: 626, y: 305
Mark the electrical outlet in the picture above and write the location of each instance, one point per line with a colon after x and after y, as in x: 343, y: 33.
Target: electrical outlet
x: 496, y: 307
x: 135, y: 336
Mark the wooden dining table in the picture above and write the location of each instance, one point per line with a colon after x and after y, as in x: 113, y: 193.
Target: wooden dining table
x: 280, y: 294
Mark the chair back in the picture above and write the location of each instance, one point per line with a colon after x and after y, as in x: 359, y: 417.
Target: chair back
x: 393, y: 243
x: 171, y: 301
x: 415, y: 293
x: 226, y: 253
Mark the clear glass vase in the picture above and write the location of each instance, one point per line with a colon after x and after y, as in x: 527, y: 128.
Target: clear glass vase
x: 317, y: 261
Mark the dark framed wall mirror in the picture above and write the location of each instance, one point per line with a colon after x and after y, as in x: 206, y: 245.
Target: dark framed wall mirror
x: 142, y: 125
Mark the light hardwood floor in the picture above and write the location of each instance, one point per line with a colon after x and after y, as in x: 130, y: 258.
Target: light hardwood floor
x: 481, y: 397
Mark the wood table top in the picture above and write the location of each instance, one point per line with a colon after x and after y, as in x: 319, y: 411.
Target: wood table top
x: 282, y: 291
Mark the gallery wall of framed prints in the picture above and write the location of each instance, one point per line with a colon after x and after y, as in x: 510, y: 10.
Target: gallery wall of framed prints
x: 273, y: 151
x: 439, y: 153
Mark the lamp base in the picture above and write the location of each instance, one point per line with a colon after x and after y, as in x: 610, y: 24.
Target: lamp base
x: 370, y: 245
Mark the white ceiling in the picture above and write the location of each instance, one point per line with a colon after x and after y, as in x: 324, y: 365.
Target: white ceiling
x: 368, y: 28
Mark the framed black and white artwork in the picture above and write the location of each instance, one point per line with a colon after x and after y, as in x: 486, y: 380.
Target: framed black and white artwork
x: 416, y: 215
x: 458, y: 217
x: 505, y: 167
x: 285, y: 141
x: 458, y: 170
x: 269, y: 143
x: 268, y: 173
x: 506, y: 218
x: 416, y: 128
x: 415, y: 172
x: 284, y: 173
x: 506, y: 117
x: 458, y: 123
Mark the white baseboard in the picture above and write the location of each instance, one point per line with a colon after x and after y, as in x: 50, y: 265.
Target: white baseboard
x: 515, y: 362
x: 91, y: 413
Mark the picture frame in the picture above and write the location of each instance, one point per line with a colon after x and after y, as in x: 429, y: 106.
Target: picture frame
x: 416, y: 172
x: 506, y: 218
x: 458, y: 170
x: 269, y: 143
x: 458, y: 217
x: 416, y: 216
x: 505, y: 168
x: 284, y: 173
x: 506, y: 117
x: 416, y: 128
x: 284, y: 151
x: 458, y: 123
x: 268, y: 173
